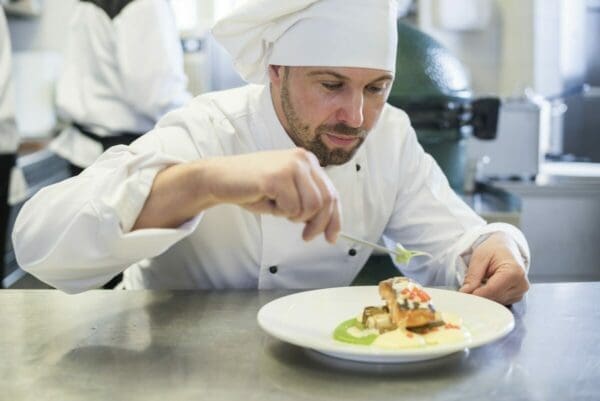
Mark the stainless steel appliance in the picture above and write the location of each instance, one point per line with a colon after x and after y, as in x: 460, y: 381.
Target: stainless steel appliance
x: 515, y: 152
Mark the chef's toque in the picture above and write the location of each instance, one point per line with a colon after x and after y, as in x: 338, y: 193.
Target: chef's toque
x: 329, y: 33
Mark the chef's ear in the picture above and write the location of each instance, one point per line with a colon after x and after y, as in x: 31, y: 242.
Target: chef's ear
x: 276, y: 73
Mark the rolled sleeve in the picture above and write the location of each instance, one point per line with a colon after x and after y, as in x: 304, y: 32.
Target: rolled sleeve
x: 76, y: 234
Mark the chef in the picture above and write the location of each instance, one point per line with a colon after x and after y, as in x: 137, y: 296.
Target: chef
x: 249, y: 188
x: 9, y: 138
x: 123, y: 70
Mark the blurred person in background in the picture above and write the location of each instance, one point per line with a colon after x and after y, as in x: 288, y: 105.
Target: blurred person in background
x: 123, y: 71
x: 9, y: 138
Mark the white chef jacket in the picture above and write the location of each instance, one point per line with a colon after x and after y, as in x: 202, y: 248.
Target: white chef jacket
x: 123, y: 71
x: 9, y: 134
x: 9, y: 137
x: 77, y: 234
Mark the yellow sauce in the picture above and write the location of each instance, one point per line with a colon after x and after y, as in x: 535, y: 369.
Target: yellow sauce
x: 354, y: 332
x: 445, y: 335
x: 399, y: 338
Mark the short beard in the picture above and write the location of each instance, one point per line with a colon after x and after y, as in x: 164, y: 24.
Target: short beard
x: 300, y: 133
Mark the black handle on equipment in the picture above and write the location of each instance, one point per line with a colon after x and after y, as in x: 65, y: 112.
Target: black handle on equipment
x: 485, y: 117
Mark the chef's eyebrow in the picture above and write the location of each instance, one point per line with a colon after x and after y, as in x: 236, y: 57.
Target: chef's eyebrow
x: 385, y: 77
x: 328, y: 72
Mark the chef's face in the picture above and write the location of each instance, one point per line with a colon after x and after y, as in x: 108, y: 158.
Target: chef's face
x: 328, y: 110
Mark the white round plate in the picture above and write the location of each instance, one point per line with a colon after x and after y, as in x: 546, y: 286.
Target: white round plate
x: 308, y: 319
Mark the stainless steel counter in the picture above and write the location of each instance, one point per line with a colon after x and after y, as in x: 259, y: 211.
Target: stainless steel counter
x: 143, y: 345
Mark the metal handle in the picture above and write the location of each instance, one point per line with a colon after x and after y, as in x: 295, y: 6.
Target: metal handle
x: 367, y: 243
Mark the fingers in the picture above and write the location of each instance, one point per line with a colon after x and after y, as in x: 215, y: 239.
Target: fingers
x: 335, y: 224
x: 302, y: 192
x: 311, y: 196
x: 326, y: 219
x: 495, y: 288
x: 323, y: 215
x: 291, y: 190
x: 477, y: 270
x: 497, y: 262
x: 288, y: 201
x: 506, y: 286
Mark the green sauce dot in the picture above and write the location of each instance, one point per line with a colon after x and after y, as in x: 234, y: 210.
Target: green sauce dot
x: 341, y: 333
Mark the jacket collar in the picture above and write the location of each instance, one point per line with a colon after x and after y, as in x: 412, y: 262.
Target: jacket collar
x: 274, y: 136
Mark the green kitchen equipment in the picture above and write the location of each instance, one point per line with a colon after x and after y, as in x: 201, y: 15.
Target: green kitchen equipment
x: 432, y: 86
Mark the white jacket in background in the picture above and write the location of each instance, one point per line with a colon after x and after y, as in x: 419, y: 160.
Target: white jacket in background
x: 9, y: 136
x: 76, y: 234
x: 122, y: 72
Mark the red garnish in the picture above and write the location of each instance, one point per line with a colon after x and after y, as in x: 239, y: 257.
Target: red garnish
x: 415, y: 293
x: 423, y: 295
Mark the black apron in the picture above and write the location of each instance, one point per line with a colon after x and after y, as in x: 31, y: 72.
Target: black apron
x: 120, y: 138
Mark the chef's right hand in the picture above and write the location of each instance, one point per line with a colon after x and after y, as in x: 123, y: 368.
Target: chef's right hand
x: 288, y: 183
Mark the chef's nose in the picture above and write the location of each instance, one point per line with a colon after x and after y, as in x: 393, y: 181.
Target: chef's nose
x: 351, y: 109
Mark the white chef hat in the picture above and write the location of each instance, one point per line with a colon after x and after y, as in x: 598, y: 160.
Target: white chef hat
x: 330, y: 33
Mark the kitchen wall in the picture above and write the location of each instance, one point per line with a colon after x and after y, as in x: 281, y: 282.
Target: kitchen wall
x: 479, y: 49
x: 38, y: 43
x: 509, y: 45
x: 46, y: 32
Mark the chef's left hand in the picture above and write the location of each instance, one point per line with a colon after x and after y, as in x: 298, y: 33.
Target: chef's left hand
x: 496, y: 271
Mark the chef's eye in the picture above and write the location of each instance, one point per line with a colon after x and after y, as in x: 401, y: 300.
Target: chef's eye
x: 332, y: 85
x: 376, y: 89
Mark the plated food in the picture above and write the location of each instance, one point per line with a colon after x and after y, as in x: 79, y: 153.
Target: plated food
x: 407, y: 319
x: 308, y: 319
